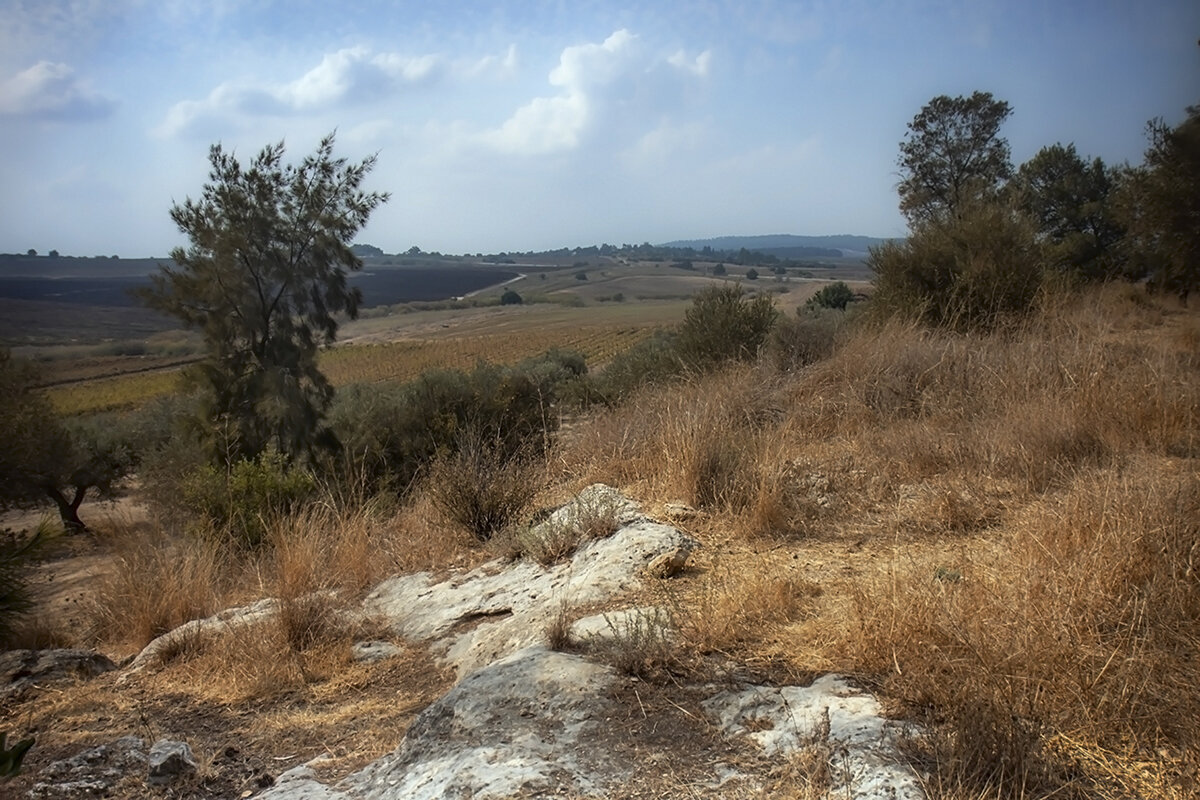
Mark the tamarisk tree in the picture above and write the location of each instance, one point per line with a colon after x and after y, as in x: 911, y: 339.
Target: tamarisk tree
x: 264, y: 280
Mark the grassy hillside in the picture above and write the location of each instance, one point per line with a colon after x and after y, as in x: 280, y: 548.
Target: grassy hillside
x: 995, y: 531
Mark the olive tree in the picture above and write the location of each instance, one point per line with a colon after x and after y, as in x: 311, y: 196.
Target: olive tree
x: 264, y: 280
x: 952, y: 154
x: 44, y: 459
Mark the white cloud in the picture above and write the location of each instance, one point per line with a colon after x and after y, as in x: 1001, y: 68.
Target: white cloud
x: 698, y: 66
x: 663, y: 143
x: 594, y: 80
x: 551, y: 124
x: 349, y: 76
x: 49, y: 90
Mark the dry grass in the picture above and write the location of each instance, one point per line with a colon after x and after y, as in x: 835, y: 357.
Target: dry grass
x: 558, y: 537
x: 999, y: 532
x: 1019, y: 520
x: 157, y: 584
x: 730, y: 611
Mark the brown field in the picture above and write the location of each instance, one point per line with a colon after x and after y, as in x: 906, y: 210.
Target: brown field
x: 85, y: 376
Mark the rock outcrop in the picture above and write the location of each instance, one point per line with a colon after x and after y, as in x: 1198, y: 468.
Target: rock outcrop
x: 524, y: 720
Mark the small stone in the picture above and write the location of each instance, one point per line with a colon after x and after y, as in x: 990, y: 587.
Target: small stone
x: 169, y: 761
x: 370, y: 652
x: 679, y: 512
x: 668, y: 564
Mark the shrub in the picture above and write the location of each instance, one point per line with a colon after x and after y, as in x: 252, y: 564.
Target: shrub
x: 510, y: 298
x: 808, y: 337
x: 591, y: 516
x: 481, y: 487
x: 390, y: 435
x: 752, y: 274
x: 649, y: 361
x: 15, y: 554
x: 963, y: 272
x: 242, y: 503
x: 835, y: 295
x: 723, y: 324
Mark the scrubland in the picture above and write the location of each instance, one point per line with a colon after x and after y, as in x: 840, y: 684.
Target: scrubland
x: 996, y: 531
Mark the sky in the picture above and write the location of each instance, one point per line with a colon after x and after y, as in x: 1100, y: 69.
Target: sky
x: 530, y: 125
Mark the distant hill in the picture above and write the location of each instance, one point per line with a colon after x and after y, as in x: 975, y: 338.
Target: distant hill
x: 786, y: 245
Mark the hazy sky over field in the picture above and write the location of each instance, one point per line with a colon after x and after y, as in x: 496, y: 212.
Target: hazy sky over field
x: 533, y: 125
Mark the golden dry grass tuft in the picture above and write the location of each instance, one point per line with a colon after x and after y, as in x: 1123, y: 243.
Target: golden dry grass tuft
x: 157, y: 584
x: 1004, y: 529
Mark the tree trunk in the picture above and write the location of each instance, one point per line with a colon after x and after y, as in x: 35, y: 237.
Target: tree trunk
x: 68, y: 511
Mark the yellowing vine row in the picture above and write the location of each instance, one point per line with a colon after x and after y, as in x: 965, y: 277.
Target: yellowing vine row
x: 400, y: 360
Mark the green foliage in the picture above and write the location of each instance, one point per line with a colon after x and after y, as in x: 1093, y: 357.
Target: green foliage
x: 752, y: 274
x: 44, y: 458
x: 1070, y: 200
x: 719, y: 269
x: 1161, y: 207
x: 650, y: 361
x: 35, y: 445
x: 240, y: 503
x: 392, y: 434
x: 264, y: 280
x: 835, y: 295
x: 482, y: 487
x: 724, y: 324
x: 963, y: 272
x: 16, y: 553
x: 510, y: 298
x: 952, y: 156
x: 581, y: 276
x: 11, y: 757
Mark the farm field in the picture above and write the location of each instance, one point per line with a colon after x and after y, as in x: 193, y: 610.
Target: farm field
x: 100, y: 358
x: 399, y: 348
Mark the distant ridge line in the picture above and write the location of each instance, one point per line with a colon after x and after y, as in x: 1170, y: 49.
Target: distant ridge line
x: 780, y: 241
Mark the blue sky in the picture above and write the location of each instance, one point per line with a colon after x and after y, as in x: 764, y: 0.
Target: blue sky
x: 535, y: 125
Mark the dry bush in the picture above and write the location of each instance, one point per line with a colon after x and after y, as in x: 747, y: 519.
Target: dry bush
x: 324, y: 547
x: 157, y: 584
x: 1074, y: 628
x: 641, y: 644
x: 415, y: 541
x: 482, y: 488
x: 698, y: 440
x: 558, y: 537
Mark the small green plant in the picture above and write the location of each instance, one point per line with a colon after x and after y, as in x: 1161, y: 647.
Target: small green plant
x: 836, y: 295
x: 16, y: 552
x: 510, y: 298
x: 243, y: 501
x: 11, y: 757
